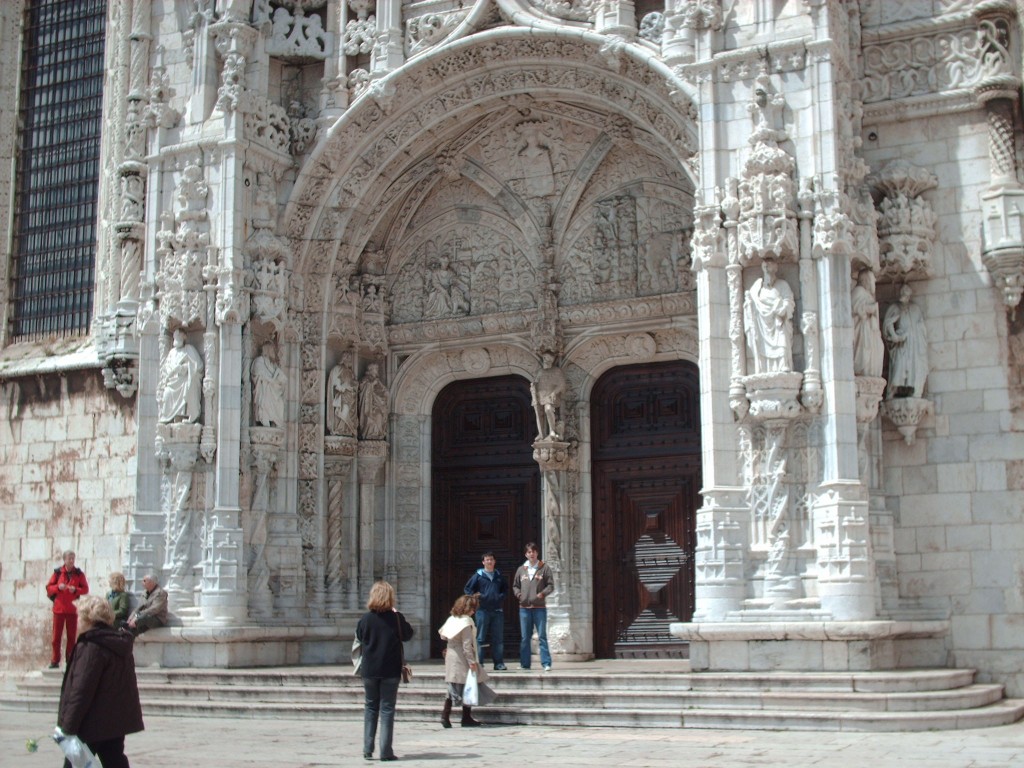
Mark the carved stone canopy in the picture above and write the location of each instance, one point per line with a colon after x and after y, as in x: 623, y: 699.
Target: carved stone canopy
x: 906, y: 224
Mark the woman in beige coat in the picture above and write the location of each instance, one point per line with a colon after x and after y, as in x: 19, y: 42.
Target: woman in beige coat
x: 459, y: 657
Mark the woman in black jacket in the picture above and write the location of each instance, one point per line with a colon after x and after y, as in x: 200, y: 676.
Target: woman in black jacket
x: 381, y: 632
x: 99, y: 698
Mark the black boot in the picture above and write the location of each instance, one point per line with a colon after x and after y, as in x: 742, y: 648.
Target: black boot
x: 446, y: 713
x: 467, y: 718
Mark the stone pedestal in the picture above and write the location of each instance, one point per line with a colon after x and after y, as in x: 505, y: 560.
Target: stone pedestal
x: 906, y: 414
x: 246, y: 646
x: 812, y: 646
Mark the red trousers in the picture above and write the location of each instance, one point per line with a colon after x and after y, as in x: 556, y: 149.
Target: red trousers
x: 62, y: 621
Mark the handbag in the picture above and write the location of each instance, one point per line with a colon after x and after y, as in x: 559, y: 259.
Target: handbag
x: 471, y: 691
x: 406, y: 669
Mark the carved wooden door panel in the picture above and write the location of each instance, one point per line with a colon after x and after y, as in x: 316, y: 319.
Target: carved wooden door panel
x: 647, y: 477
x: 485, y: 491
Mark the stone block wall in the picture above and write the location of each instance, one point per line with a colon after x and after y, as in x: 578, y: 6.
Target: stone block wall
x: 67, y: 480
x: 956, y: 496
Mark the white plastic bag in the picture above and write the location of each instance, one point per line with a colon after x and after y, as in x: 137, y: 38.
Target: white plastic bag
x: 75, y: 750
x: 470, y: 692
x: 357, y: 656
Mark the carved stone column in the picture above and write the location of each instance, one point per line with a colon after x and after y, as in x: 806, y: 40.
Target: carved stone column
x: 341, y: 535
x: 372, y: 456
x: 178, y: 450
x: 266, y: 446
x: 556, y: 459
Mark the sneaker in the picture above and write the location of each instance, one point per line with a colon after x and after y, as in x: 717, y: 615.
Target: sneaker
x: 54, y: 665
x: 547, y: 667
x: 524, y: 669
x: 500, y: 667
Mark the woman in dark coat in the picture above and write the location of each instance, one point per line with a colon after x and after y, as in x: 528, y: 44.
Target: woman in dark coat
x: 381, y: 632
x: 99, y: 699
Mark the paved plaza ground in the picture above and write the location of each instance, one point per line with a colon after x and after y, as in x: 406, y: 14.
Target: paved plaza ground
x: 190, y: 742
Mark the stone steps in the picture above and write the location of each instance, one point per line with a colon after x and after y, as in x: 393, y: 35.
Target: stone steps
x: 573, y: 695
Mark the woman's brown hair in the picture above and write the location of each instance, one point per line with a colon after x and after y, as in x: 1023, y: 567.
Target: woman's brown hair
x: 465, y: 606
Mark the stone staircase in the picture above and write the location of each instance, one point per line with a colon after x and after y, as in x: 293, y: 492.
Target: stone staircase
x: 638, y: 693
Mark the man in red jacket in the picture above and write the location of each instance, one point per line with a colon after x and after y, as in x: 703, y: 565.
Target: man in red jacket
x: 66, y: 585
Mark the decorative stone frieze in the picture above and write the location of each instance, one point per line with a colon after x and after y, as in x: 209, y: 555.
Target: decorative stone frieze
x: 925, y: 64
x: 296, y: 30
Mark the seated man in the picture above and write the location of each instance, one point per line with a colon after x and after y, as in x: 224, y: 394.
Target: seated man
x: 152, y: 611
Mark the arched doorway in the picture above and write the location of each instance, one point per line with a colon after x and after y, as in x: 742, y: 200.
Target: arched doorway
x: 485, y: 491
x: 646, y: 479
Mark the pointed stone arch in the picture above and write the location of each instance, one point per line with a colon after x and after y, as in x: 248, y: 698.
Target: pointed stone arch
x: 394, y: 127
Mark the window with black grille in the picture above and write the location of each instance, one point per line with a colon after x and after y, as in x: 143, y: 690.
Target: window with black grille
x: 57, y: 175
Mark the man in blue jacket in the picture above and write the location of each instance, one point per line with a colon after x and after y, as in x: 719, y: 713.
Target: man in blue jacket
x: 490, y: 588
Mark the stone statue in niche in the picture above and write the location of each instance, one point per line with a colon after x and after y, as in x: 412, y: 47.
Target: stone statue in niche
x: 868, y: 349
x: 182, y: 371
x: 904, y: 332
x: 268, y: 388
x: 547, y: 392
x: 373, y: 405
x: 768, y: 321
x: 342, y: 394
x: 445, y: 295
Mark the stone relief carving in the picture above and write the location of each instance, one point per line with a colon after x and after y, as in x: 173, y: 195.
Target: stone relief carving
x: 294, y: 33
x: 181, y: 382
x: 935, y: 63
x: 906, y: 225
x: 360, y: 33
x: 426, y: 31
x: 473, y: 270
x: 267, y: 123
x: 233, y: 41
x: 182, y: 252
x: 481, y: 58
x: 269, y: 291
x: 767, y: 226
x: 569, y: 10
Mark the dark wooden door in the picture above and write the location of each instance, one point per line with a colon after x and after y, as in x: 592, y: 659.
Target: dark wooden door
x: 486, y: 490
x: 646, y: 472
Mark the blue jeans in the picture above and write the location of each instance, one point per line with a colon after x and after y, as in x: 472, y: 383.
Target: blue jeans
x: 381, y: 695
x: 528, y: 619
x: 491, y: 622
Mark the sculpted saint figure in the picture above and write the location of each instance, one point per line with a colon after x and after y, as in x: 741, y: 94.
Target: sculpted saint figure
x: 181, y: 399
x: 268, y: 388
x: 768, y: 321
x: 547, y: 392
x: 341, y: 401
x: 373, y: 405
x: 904, y: 334
x: 868, y: 349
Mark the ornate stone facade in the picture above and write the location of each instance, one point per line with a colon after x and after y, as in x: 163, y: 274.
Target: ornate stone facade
x: 337, y: 208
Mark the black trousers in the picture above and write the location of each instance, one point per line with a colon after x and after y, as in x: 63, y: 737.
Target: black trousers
x: 109, y: 752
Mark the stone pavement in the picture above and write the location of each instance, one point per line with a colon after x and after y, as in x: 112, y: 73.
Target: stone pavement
x: 171, y: 742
